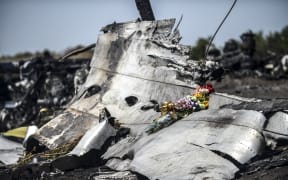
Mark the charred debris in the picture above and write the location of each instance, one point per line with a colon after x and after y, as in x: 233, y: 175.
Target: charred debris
x: 90, y: 126
x: 93, y: 115
x: 97, y: 130
x: 33, y: 90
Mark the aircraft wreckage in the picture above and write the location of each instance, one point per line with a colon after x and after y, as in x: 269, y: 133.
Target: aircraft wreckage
x: 136, y: 66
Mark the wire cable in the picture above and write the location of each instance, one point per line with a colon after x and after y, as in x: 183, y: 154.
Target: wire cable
x: 142, y: 78
x: 211, y: 40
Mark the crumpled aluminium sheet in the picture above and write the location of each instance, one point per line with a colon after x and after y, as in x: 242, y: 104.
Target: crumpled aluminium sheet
x: 130, y: 59
x: 10, y: 151
x: 276, y: 129
x: 134, y: 59
x: 193, y: 144
x: 94, y: 138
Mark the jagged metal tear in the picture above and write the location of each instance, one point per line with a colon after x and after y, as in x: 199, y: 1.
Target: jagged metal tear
x: 130, y: 59
x: 142, y: 59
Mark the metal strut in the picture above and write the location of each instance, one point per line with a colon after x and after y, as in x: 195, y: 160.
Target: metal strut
x: 145, y: 10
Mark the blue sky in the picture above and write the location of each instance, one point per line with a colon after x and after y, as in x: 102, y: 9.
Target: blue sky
x: 31, y: 25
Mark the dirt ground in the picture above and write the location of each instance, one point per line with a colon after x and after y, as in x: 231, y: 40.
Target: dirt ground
x: 252, y: 87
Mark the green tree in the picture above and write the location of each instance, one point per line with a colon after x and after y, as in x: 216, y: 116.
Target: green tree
x: 261, y: 46
x: 198, y: 51
x: 23, y: 55
x: 278, y: 41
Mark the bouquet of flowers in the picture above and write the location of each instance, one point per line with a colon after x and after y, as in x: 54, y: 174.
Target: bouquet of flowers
x: 173, y: 111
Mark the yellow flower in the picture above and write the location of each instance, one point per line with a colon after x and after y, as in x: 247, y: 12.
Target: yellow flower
x: 170, y: 106
x: 198, y: 95
x: 166, y: 107
x: 206, y: 104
